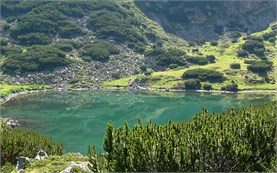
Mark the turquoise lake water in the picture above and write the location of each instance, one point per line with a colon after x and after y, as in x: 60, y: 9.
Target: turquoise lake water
x: 79, y: 118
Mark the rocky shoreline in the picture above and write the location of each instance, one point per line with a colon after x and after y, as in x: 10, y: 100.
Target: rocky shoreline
x: 137, y: 88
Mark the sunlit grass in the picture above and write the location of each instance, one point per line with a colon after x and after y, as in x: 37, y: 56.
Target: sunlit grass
x: 6, y: 89
x: 226, y: 54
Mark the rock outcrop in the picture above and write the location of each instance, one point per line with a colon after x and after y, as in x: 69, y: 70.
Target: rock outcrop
x: 193, y: 20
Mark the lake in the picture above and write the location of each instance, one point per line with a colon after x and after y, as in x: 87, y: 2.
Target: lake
x: 79, y: 118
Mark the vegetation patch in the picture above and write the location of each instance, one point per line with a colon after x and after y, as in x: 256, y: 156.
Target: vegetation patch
x: 204, y: 75
x: 260, y: 66
x: 192, y: 84
x: 5, y: 89
x: 237, y: 140
x: 200, y: 60
x: 98, y: 50
x: 165, y: 58
x: 36, y: 58
x: 18, y: 142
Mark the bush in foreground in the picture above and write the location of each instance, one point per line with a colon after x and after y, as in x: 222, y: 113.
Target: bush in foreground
x: 242, y: 140
x: 18, y: 142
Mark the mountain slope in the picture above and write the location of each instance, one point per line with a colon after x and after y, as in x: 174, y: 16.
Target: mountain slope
x: 196, y: 20
x: 71, y: 44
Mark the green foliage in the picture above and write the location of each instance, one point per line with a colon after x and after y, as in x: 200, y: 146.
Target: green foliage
x: 230, y: 87
x: 235, y: 34
x: 64, y: 47
x: 207, y: 87
x: 117, y: 24
x: 6, y: 27
x: 235, y: 66
x: 143, y: 68
x: 74, y: 44
x: 203, y: 75
x: 242, y: 53
x: 200, y: 60
x: 254, y: 46
x: 7, y: 51
x: 34, y: 39
x: 211, y: 58
x: 7, y: 167
x: 37, y: 58
x: 3, y: 42
x: 9, y: 89
x: 268, y: 35
x: 18, y: 142
x: 17, y: 8
x: 99, y: 50
x: 260, y: 66
x: 249, y: 61
x: 77, y: 169
x: 214, y: 43
x: 55, y: 163
x: 240, y: 140
x: 166, y: 57
x: 192, y: 84
x: 172, y: 66
x: 41, y: 24
x: 272, y: 39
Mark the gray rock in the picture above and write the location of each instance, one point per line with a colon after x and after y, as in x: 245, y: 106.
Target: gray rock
x: 12, y: 123
x: 21, y: 171
x: 83, y: 165
x: 41, y: 155
x: 22, y: 162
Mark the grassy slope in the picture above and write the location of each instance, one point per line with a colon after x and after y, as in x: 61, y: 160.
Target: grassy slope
x: 55, y: 163
x: 225, y: 54
x: 6, y: 89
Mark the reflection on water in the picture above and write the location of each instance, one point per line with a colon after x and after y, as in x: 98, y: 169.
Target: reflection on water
x: 79, y: 118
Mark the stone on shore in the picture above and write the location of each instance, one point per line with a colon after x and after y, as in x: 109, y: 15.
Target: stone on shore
x: 41, y: 155
x: 22, y: 162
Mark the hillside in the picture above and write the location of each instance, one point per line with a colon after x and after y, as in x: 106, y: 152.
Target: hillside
x: 208, y: 20
x: 82, y: 44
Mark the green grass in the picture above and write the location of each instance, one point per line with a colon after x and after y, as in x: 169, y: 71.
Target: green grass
x: 6, y: 89
x: 54, y: 163
x: 226, y: 54
x: 118, y: 83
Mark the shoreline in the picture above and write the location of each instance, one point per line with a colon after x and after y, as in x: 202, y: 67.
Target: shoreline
x: 14, y: 95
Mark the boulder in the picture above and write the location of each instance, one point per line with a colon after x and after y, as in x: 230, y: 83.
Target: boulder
x: 12, y: 123
x: 41, y: 155
x: 22, y: 162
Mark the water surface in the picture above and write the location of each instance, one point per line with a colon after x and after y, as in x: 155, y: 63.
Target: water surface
x: 80, y: 118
